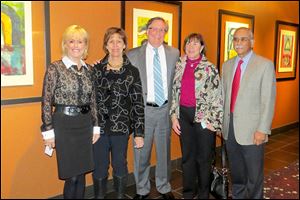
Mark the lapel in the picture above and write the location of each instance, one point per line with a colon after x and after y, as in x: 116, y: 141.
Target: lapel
x: 142, y: 66
x: 250, y: 69
x: 231, y: 73
x: 169, y: 65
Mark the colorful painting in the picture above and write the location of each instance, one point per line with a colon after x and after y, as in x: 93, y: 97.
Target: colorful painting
x: 287, y: 43
x: 228, y: 22
x: 286, y: 48
x: 230, y: 28
x: 16, y: 43
x: 140, y: 19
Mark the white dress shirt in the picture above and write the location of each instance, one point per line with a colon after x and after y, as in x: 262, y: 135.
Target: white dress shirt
x: 149, y: 68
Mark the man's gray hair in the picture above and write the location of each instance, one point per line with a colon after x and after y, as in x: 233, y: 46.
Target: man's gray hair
x: 157, y: 18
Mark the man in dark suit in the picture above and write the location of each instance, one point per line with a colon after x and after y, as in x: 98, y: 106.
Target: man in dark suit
x: 249, y: 99
x: 156, y: 63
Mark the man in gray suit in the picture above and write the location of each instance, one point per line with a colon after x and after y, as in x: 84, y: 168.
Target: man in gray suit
x: 156, y: 63
x: 249, y: 98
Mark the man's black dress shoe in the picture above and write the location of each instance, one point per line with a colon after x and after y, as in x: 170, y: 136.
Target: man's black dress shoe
x: 168, y: 195
x: 139, y: 196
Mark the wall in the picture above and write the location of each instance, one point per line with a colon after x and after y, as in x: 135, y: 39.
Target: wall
x: 26, y: 172
x: 203, y: 17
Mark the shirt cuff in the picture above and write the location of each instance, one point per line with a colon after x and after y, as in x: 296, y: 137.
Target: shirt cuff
x: 203, y: 124
x: 96, y: 130
x: 48, y: 134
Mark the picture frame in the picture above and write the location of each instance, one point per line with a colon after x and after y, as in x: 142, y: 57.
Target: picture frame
x: 16, y: 47
x: 286, y: 50
x: 227, y: 23
x: 135, y: 14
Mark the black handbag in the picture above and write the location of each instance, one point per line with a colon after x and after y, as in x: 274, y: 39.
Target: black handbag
x: 219, y: 179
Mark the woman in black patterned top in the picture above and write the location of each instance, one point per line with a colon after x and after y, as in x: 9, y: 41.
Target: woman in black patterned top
x: 68, y: 87
x: 120, y: 112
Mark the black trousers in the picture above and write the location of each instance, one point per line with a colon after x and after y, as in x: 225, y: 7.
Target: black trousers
x: 197, y: 147
x: 246, y: 163
x: 114, y: 146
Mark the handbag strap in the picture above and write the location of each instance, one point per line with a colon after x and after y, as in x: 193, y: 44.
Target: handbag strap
x: 223, y: 153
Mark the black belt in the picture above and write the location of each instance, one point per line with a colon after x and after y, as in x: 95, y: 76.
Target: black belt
x: 154, y: 104
x: 72, y: 110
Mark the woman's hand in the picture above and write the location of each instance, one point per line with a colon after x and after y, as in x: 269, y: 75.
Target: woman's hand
x: 50, y: 142
x: 95, y: 137
x: 95, y: 63
x: 139, y: 142
x: 210, y: 127
x: 176, y: 125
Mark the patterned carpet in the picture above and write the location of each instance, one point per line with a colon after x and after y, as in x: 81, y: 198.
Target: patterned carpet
x: 283, y: 183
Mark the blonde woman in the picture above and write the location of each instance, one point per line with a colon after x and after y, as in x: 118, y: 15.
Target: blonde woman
x: 72, y: 127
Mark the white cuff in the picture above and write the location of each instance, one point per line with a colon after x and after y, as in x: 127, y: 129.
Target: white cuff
x: 203, y: 124
x: 48, y: 134
x: 96, y: 130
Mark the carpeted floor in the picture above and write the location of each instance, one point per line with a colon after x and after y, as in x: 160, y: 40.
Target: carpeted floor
x: 283, y: 183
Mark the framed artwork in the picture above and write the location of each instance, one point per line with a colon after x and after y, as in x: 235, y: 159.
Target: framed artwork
x: 140, y: 19
x: 228, y: 23
x: 286, y: 47
x: 135, y: 15
x: 16, y: 43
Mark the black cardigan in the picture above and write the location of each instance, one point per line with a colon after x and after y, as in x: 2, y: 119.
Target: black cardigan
x: 119, y: 99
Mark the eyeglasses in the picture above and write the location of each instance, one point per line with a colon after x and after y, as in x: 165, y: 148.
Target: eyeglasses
x: 242, y: 39
x: 160, y: 30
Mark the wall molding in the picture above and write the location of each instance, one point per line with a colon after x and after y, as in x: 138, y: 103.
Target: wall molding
x: 20, y: 101
x: 284, y: 128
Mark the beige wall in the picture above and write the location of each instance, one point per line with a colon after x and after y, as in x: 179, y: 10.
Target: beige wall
x: 26, y: 172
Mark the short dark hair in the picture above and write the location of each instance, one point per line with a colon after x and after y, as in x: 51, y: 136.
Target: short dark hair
x: 109, y: 32
x: 150, y: 21
x: 195, y: 36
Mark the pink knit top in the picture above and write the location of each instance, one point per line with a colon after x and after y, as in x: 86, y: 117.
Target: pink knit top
x: 187, y: 96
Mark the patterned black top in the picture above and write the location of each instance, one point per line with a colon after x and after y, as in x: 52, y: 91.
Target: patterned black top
x: 66, y: 86
x: 120, y: 103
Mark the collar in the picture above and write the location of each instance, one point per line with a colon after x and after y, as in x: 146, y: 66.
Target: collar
x: 245, y: 58
x: 68, y: 62
x: 149, y: 46
x: 195, y: 60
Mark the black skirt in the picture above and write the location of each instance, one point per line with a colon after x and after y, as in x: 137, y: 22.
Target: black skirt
x: 73, y: 143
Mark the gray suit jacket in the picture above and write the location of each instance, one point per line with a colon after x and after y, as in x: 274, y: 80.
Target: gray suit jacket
x: 254, y: 107
x: 137, y: 57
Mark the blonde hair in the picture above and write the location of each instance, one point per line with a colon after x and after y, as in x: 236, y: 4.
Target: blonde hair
x: 75, y: 31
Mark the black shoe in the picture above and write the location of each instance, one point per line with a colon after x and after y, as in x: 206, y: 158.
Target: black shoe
x: 168, y: 195
x: 139, y: 196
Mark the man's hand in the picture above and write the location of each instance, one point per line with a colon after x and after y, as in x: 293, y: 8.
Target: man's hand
x: 259, y: 138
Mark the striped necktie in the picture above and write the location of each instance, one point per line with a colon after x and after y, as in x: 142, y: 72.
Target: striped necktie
x: 158, y: 83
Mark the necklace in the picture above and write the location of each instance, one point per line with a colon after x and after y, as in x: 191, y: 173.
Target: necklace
x: 194, y: 63
x: 77, y: 72
x: 115, y: 66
